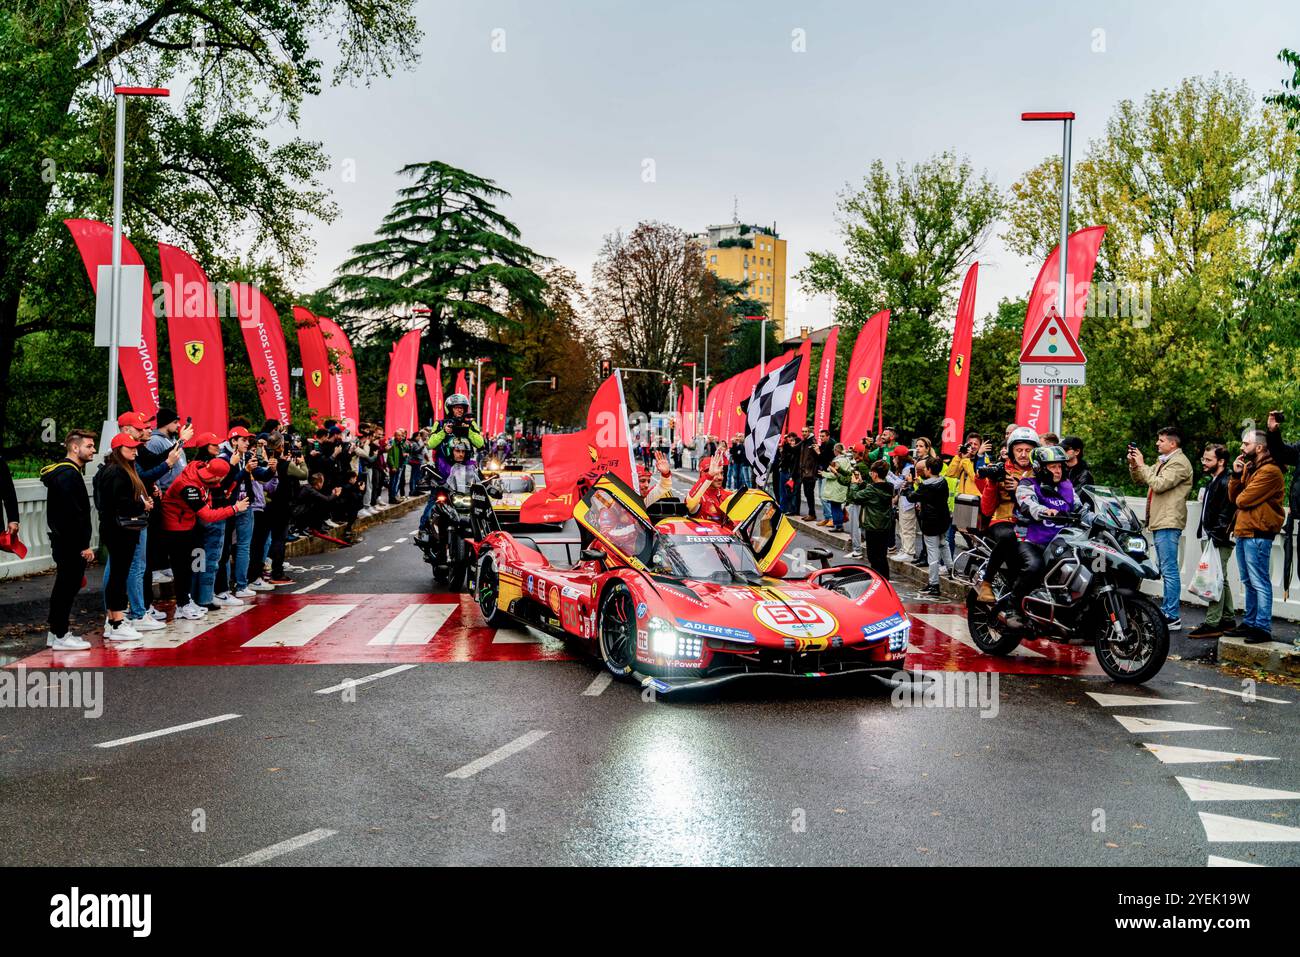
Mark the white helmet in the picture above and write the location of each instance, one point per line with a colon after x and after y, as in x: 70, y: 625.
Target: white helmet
x: 1022, y: 433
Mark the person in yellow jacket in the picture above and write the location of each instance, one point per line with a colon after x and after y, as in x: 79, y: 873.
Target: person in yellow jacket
x: 1169, y: 483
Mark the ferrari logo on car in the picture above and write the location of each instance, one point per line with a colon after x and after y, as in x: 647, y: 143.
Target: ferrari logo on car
x: 194, y: 351
x: 864, y: 383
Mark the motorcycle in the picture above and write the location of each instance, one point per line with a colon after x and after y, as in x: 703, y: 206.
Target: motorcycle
x: 445, y: 542
x: 1089, y: 593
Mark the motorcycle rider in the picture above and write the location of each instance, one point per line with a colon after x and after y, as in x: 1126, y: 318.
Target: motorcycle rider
x: 458, y: 424
x: 997, y: 501
x: 460, y: 475
x: 1040, y: 500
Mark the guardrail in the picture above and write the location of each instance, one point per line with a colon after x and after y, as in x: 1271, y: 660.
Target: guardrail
x: 32, y: 529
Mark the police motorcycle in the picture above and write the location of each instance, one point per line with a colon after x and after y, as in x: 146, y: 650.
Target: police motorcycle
x: 1089, y: 594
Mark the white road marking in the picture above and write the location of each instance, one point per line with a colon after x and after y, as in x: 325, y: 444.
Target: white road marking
x: 353, y: 682
x: 1143, y: 725
x: 312, y: 587
x: 364, y: 558
x: 500, y: 754
x: 414, y: 625
x: 1221, y: 828
x: 1172, y: 755
x: 954, y: 626
x: 284, y: 847
x: 1216, y: 861
x: 398, y: 541
x: 1233, y: 691
x: 344, y: 570
x: 182, y: 630
x: 301, y: 627
x: 1129, y: 700
x: 172, y: 730
x: 384, y: 548
x: 598, y: 684
x: 1198, y: 789
x: 515, y: 636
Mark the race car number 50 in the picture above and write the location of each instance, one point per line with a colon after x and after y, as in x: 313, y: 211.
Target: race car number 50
x: 796, y: 619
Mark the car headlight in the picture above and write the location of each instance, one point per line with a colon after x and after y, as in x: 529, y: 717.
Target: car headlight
x: 898, y: 640
x: 667, y: 642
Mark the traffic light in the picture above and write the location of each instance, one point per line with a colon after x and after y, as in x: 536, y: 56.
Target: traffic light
x: 555, y: 384
x: 606, y: 368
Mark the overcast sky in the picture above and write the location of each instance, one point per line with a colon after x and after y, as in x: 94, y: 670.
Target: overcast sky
x: 715, y: 95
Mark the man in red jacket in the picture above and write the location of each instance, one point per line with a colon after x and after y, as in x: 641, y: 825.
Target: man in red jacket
x: 187, y: 503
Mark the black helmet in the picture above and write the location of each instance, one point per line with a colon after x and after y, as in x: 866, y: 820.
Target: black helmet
x: 1044, y: 456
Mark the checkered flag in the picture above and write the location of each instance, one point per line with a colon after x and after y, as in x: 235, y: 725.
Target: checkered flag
x: 765, y: 412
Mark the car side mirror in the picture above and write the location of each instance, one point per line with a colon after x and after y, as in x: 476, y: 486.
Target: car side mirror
x: 593, y: 555
x: 822, y: 555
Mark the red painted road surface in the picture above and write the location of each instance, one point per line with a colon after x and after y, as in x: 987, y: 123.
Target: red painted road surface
x: 339, y: 629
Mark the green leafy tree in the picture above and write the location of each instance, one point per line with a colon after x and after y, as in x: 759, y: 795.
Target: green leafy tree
x: 907, y: 236
x: 445, y: 247
x: 201, y: 172
x: 995, y: 370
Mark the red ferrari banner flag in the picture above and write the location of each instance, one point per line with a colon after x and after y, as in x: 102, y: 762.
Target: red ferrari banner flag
x: 267, y: 355
x: 745, y: 383
x: 486, y: 420
x: 194, y: 334
x: 139, y: 364
x: 315, y: 363
x: 826, y: 383
x: 1032, y: 400
x: 687, y: 427
x: 433, y: 382
x: 797, y: 417
x: 342, y: 374
x: 863, y: 385
x: 461, y: 386
x: 400, y: 406
x: 954, y: 416
x: 502, y: 410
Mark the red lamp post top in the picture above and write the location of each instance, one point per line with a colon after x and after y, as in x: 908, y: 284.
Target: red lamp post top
x: 1046, y: 116
x: 140, y: 91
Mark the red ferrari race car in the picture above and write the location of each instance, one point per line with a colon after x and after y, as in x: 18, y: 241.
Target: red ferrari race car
x: 673, y: 602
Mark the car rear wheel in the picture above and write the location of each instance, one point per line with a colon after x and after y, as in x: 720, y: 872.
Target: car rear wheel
x: 616, y: 631
x: 489, y: 589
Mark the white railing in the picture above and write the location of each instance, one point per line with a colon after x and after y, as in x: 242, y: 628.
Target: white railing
x: 32, y: 530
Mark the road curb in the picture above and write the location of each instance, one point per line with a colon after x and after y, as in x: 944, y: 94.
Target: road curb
x: 307, y: 545
x: 899, y: 571
x: 1274, y: 657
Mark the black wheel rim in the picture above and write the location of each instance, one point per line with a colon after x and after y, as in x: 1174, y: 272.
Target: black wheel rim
x: 487, y: 590
x: 618, y: 631
x: 1139, y: 645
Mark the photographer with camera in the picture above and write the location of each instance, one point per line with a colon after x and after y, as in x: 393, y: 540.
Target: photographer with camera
x: 998, y: 484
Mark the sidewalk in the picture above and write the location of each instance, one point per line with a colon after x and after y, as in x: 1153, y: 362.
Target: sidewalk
x: 1279, y: 657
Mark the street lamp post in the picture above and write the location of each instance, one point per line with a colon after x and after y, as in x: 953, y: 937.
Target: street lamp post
x: 1066, y: 119
x: 478, y: 385
x: 762, y: 342
x: 115, y: 293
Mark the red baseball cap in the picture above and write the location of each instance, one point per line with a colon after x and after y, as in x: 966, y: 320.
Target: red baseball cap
x: 206, y: 438
x: 899, y: 450
x: 122, y: 439
x: 215, y: 470
x: 135, y: 420
x: 239, y: 432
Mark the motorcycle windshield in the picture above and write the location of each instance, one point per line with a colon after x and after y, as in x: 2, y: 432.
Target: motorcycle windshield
x: 1111, y: 508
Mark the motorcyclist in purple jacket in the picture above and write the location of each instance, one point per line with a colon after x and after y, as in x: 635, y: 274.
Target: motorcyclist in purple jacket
x: 1041, y: 501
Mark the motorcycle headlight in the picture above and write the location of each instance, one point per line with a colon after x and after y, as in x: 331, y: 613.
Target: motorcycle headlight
x: 1136, y: 543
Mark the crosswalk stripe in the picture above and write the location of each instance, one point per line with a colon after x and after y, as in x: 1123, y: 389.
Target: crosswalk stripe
x: 414, y: 625
x: 1142, y: 725
x: 1232, y: 691
x: 365, y: 679
x: 500, y: 754
x: 598, y: 684
x: 181, y: 630
x: 284, y: 847
x: 1199, y: 789
x: 955, y: 627
x: 1219, y: 828
x: 1129, y: 700
x: 1216, y: 861
x: 515, y: 636
x: 301, y: 627
x: 1172, y: 755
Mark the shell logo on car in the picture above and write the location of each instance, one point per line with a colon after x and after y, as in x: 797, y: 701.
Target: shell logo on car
x: 796, y: 619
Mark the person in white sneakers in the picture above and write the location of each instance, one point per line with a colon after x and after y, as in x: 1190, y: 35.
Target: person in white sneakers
x: 123, y: 505
x: 67, y: 514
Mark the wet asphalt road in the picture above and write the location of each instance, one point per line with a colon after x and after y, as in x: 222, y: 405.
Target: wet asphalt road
x: 755, y: 773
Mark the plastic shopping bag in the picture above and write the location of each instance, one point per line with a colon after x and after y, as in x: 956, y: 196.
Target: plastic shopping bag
x: 1207, y: 583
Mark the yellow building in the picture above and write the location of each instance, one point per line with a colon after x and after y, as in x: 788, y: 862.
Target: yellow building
x: 754, y: 255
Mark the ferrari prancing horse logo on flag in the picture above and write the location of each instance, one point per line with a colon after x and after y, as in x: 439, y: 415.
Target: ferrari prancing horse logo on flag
x: 798, y: 398
x: 194, y: 351
x: 401, y: 390
x: 864, y: 384
x: 958, y: 364
x: 316, y: 377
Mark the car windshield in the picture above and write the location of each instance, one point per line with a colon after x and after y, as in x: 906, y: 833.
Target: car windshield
x: 516, y: 483
x: 721, y: 558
